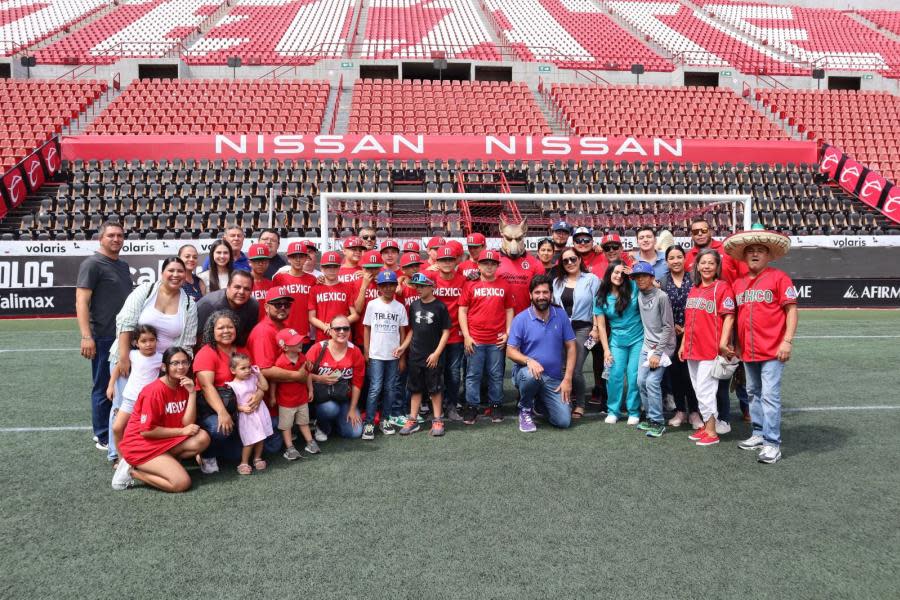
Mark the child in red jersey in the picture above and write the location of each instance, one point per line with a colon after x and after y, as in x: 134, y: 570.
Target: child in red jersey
x: 390, y: 254
x: 259, y: 258
x: 298, y: 284
x: 293, y: 397
x: 330, y: 299
x: 448, y: 288
x: 350, y: 269
x: 475, y: 245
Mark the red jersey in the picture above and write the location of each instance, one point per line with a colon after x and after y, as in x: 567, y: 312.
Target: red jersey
x: 468, y: 268
x: 704, y: 313
x: 518, y: 273
x: 371, y: 294
x: 449, y: 291
x: 731, y: 269
x: 407, y: 296
x: 291, y: 394
x: 157, y: 405
x: 352, y: 366
x: 330, y: 301
x: 349, y: 274
x: 298, y: 287
x: 260, y: 287
x: 761, y: 320
x: 487, y: 302
x: 216, y: 361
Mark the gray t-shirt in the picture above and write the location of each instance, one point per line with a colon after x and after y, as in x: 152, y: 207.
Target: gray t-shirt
x: 248, y: 314
x: 110, y: 283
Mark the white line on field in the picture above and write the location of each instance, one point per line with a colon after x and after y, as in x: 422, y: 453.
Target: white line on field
x: 844, y: 337
x: 10, y: 350
x: 838, y: 408
x: 38, y: 429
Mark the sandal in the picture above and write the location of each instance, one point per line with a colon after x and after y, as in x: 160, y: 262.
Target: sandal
x: 578, y: 412
x: 259, y: 464
x: 244, y: 469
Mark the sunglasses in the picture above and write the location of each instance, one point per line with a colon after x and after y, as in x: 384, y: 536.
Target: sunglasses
x: 612, y: 247
x: 583, y: 240
x: 699, y: 230
x: 281, y: 303
x: 341, y: 329
x: 571, y: 260
x: 368, y: 238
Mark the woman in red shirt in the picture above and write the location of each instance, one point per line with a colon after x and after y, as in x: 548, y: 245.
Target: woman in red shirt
x: 161, y: 431
x: 708, y: 319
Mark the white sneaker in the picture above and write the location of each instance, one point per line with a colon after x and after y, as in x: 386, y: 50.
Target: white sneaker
x: 122, y: 478
x: 611, y: 419
x: 769, y: 455
x: 634, y: 420
x: 723, y: 427
x: 100, y: 446
x: 677, y: 420
x: 208, y: 466
x: 95, y: 439
x: 320, y: 436
x: 754, y: 442
x: 696, y: 421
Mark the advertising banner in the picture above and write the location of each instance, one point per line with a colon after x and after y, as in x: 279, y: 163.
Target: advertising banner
x: 14, y: 185
x: 848, y: 293
x: 864, y: 183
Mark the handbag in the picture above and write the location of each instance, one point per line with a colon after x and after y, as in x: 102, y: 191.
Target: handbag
x: 724, y: 368
x: 228, y: 399
x: 323, y: 392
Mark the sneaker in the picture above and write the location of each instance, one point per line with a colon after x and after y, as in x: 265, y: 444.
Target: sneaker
x: 437, y: 429
x: 101, y: 446
x: 470, y: 414
x: 411, y: 426
x: 696, y: 421
x: 611, y: 419
x: 678, y: 420
x: 496, y: 414
x: 769, y: 455
x: 95, y: 439
x: 387, y: 427
x: 292, y: 453
x: 644, y: 425
x: 526, y: 423
x: 122, y: 478
x: 368, y: 431
x: 634, y: 420
x: 453, y: 414
x: 320, y: 436
x: 312, y: 448
x: 656, y: 429
x: 208, y: 466
x: 723, y: 427
x: 698, y: 434
x: 398, y: 422
x: 708, y: 440
x: 754, y: 442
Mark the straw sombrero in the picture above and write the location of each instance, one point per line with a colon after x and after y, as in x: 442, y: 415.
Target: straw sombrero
x: 777, y: 243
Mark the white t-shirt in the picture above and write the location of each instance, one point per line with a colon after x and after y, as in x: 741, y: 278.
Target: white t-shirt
x: 385, y: 321
x: 144, y: 370
x: 168, y: 327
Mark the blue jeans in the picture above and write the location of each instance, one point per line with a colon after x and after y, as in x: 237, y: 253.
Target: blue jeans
x: 453, y: 366
x: 650, y: 384
x: 226, y: 447
x: 401, y: 394
x: 331, y: 415
x: 764, y: 390
x: 382, y: 381
x: 491, y: 359
x: 624, y: 368
x: 723, y: 400
x: 274, y: 442
x: 100, y: 406
x: 113, y: 453
x: 559, y: 413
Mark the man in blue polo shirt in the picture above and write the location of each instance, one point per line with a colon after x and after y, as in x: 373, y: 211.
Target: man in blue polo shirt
x: 538, y: 338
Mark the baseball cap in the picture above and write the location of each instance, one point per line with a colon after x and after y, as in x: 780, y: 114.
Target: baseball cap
x: 310, y: 245
x: 642, y: 268
x: 386, y: 277
x: 435, y: 242
x: 372, y: 258
x: 610, y: 238
x: 446, y: 252
x: 411, y: 246
x: 421, y: 279
x: 582, y: 231
x: 390, y: 244
x: 296, y: 248
x: 457, y: 248
x: 489, y: 256
x: 258, y: 252
x: 353, y: 242
x: 278, y: 293
x: 331, y: 258
x: 410, y: 258
x: 289, y: 337
x: 476, y: 239
x: 562, y: 226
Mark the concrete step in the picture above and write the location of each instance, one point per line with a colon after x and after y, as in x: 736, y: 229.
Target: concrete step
x: 557, y: 126
x: 92, y: 112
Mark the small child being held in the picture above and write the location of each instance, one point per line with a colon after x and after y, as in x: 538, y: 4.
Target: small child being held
x: 254, y: 424
x: 293, y: 397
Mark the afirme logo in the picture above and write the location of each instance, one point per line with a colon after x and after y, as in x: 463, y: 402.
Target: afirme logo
x: 874, y: 291
x: 851, y: 293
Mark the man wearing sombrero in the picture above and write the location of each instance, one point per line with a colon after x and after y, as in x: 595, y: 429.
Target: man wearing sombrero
x: 766, y: 324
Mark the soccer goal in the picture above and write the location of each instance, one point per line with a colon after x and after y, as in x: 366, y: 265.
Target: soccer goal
x: 406, y: 215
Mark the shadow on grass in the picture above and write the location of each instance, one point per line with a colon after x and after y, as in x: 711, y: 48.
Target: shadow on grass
x: 816, y: 438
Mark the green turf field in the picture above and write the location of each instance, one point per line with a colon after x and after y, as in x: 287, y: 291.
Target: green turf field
x: 485, y: 512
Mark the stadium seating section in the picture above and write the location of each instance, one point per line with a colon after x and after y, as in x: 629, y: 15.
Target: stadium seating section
x: 865, y: 125
x: 215, y: 106
x: 468, y: 107
x: 31, y: 112
x: 26, y: 22
x: 888, y: 19
x: 661, y: 111
x: 278, y: 32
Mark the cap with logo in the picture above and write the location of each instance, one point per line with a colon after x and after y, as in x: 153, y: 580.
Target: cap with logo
x: 562, y: 226
x: 331, y: 259
x: 476, y: 239
x: 489, y: 256
x: 412, y: 246
x: 258, y: 252
x: 278, y: 293
x: 610, y: 238
x: 296, y: 248
x: 289, y: 337
x: 421, y: 279
x: 310, y: 245
x: 445, y: 252
x: 435, y: 242
x: 390, y: 244
x: 642, y: 268
x: 409, y: 259
x: 582, y: 231
x: 457, y: 248
x: 371, y: 259
x: 353, y: 242
x: 385, y: 277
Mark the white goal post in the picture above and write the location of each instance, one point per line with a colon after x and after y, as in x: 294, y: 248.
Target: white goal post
x: 745, y: 200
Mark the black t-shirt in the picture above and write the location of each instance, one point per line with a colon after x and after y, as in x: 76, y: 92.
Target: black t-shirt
x: 275, y: 263
x: 568, y: 300
x: 110, y: 283
x: 248, y: 314
x: 428, y: 322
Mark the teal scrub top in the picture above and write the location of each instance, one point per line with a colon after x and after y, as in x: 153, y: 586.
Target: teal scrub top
x: 626, y: 329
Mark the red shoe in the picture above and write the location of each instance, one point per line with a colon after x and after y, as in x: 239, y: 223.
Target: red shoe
x: 708, y: 440
x: 697, y: 435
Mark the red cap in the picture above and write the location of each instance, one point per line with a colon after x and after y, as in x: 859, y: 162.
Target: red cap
x: 277, y: 293
x: 331, y: 258
x: 372, y: 258
x: 353, y: 242
x: 446, y: 252
x: 410, y: 258
x: 476, y: 239
x: 296, y: 248
x: 289, y: 337
x: 412, y: 246
x: 436, y: 242
x: 457, y: 248
x: 258, y: 252
x: 390, y: 244
x: 310, y: 245
x: 610, y: 238
x: 489, y: 256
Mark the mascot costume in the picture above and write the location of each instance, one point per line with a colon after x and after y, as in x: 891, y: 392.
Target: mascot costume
x: 517, y: 267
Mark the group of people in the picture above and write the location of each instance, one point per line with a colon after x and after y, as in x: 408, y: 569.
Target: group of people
x: 229, y: 362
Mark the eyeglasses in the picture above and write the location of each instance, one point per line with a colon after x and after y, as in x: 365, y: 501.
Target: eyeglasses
x: 281, y: 303
x: 180, y: 363
x: 583, y: 240
x: 610, y: 247
x: 368, y: 238
x: 571, y: 260
x: 699, y: 230
x: 341, y: 329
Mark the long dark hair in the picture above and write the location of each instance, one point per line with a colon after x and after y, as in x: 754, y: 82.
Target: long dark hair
x: 558, y: 271
x: 214, y: 268
x: 606, y: 288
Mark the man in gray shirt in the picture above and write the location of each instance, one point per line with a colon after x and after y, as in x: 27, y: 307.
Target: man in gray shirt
x: 236, y: 297
x: 659, y: 344
x: 103, y: 284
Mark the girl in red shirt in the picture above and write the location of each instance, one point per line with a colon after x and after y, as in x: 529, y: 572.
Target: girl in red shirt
x: 708, y: 319
x: 161, y: 431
